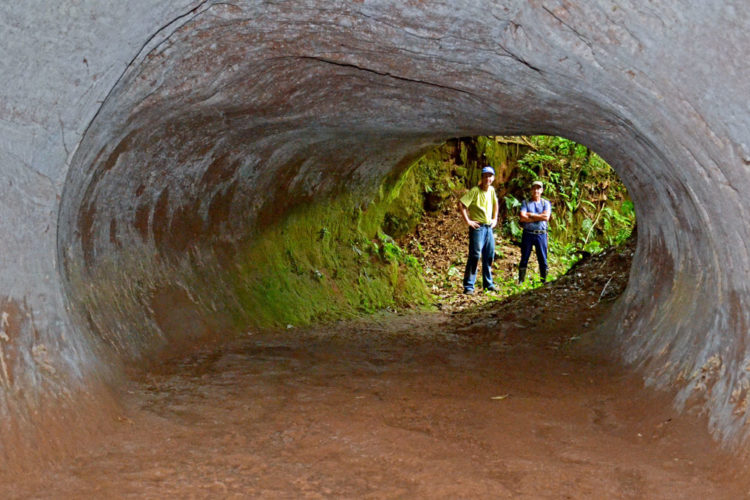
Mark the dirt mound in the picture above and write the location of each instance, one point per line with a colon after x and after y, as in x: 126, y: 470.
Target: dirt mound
x: 582, y: 293
x: 560, y: 315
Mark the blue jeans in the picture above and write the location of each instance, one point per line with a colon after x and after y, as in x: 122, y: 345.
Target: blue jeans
x: 481, y: 244
x: 539, y: 242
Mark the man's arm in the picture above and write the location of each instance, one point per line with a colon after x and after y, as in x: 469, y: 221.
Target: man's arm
x: 544, y: 216
x: 493, y: 223
x: 527, y: 217
x: 465, y: 214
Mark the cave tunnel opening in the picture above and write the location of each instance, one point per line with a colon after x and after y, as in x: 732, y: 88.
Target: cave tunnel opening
x: 203, y: 210
x: 298, y: 259
x: 216, y: 169
x: 221, y: 145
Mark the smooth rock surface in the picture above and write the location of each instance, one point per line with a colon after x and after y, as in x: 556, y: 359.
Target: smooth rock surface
x: 141, y: 145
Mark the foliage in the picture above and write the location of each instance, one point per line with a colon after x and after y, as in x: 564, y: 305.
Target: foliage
x: 591, y: 208
x: 426, y: 185
x: 436, y: 179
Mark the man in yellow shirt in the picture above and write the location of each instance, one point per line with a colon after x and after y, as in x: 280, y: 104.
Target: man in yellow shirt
x: 479, y: 209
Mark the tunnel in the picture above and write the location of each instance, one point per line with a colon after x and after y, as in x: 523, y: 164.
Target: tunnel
x: 140, y: 164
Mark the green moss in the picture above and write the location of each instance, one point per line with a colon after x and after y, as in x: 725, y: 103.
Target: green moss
x: 327, y: 262
x: 430, y: 183
x: 427, y: 185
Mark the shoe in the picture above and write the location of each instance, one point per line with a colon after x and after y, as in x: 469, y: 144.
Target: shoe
x: 521, y: 274
x: 468, y: 292
x: 490, y: 289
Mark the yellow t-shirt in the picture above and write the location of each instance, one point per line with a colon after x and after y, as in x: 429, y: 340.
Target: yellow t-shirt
x: 480, y: 204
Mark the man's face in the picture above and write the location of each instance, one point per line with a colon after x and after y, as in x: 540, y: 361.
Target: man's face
x: 487, y: 179
x: 536, y: 192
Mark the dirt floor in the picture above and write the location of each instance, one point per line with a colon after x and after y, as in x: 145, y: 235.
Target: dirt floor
x: 506, y: 400
x: 488, y: 397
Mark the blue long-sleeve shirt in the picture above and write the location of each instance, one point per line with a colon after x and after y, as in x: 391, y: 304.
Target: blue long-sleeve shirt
x: 535, y: 207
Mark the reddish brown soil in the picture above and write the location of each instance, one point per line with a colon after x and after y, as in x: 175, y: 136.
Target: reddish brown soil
x: 506, y: 401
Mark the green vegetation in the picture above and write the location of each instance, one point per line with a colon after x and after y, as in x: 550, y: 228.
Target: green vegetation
x: 591, y: 208
x: 339, y: 259
x: 433, y: 181
x: 424, y: 186
x: 327, y: 262
x: 322, y: 265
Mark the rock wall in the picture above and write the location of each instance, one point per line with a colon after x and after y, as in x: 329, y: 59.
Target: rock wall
x: 144, y: 145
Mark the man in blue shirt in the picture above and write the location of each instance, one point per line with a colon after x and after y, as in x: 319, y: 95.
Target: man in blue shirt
x: 534, y: 216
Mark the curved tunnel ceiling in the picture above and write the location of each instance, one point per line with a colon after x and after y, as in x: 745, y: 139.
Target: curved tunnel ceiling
x: 246, y: 111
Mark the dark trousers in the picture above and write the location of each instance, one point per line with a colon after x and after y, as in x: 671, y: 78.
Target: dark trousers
x: 481, y: 245
x: 538, y: 242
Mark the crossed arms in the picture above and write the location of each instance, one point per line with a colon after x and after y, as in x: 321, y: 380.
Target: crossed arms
x: 530, y: 217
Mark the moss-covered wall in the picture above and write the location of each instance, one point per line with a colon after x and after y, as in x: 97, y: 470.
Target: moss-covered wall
x: 431, y: 182
x: 499, y: 152
x: 320, y: 262
x: 326, y: 262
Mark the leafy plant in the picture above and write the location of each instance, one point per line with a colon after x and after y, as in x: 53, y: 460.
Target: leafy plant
x: 591, y: 208
x: 511, y: 202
